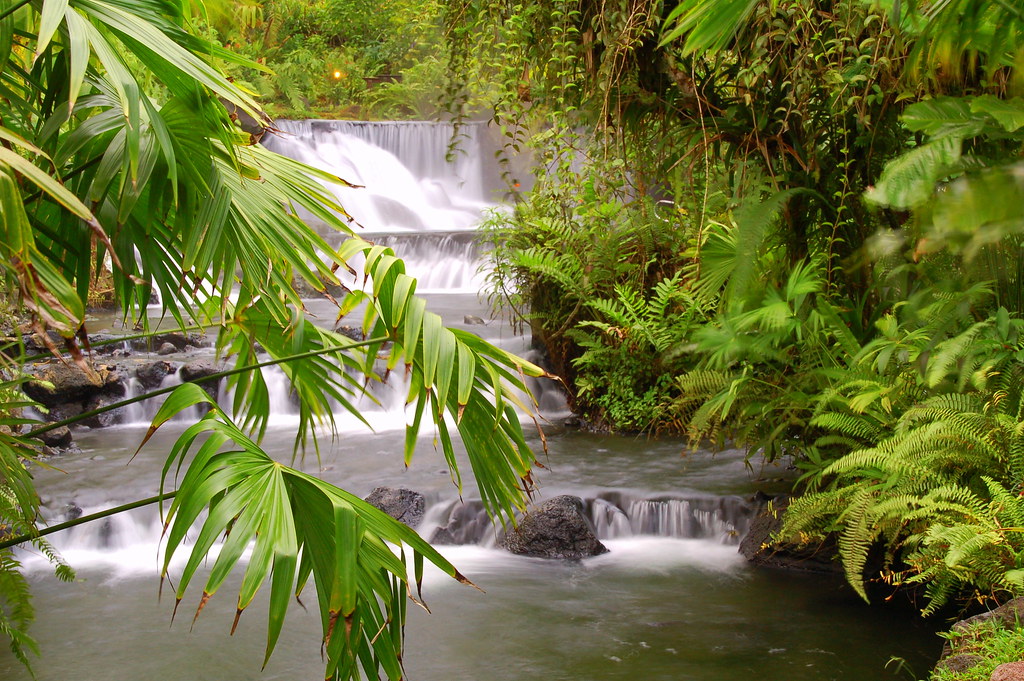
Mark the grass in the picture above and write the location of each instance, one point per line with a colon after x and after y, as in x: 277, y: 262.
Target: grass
x: 990, y: 642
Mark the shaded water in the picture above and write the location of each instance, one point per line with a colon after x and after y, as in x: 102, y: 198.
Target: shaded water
x: 671, y: 601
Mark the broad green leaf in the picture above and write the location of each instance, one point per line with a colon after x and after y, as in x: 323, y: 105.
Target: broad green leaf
x: 1009, y: 113
x: 45, y: 182
x: 707, y: 25
x: 942, y: 116
x: 909, y: 181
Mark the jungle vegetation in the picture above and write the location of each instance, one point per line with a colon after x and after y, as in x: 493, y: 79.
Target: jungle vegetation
x: 117, y: 146
x: 792, y: 226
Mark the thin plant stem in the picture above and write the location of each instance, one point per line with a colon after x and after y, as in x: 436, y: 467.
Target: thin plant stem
x: 22, y: 538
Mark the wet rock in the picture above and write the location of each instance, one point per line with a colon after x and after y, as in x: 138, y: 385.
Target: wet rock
x: 308, y: 290
x: 555, y: 529
x: 63, y: 412
x: 473, y: 320
x: 403, y: 505
x: 468, y: 523
x: 152, y: 375
x: 177, y: 339
x: 349, y: 331
x: 199, y: 372
x: 106, y: 344
x: 111, y: 417
x: 59, y: 438
x: 1011, y: 671
x: 72, y: 511
x: 68, y: 383
x: 760, y: 546
x: 167, y: 349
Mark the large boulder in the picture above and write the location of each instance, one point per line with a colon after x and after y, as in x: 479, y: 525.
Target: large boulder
x: 555, y: 529
x: 59, y: 383
x: 404, y: 505
x: 58, y: 438
x: 468, y: 523
x: 110, y: 417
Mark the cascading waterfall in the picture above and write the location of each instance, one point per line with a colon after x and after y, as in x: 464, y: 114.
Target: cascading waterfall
x: 405, y: 182
x: 453, y: 522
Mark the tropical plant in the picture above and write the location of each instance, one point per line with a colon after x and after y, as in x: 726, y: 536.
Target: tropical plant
x: 940, y: 493
x: 576, y: 255
x: 116, y: 144
x: 631, y: 351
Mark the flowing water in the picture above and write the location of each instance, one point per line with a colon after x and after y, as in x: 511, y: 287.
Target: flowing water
x: 671, y: 601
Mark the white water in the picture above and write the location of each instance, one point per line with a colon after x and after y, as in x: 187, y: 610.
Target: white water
x: 406, y: 183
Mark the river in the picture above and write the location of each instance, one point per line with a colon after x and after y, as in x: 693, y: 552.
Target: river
x: 671, y: 601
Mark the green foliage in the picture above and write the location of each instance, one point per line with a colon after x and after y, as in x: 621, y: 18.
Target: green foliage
x: 19, y: 505
x: 117, y: 142
x: 990, y: 642
x: 630, y: 352
x: 598, y: 281
x: 874, y: 341
x: 940, y: 493
x: 320, y: 58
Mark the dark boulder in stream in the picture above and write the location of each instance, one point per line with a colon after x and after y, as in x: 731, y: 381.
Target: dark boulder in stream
x: 199, y: 372
x: 152, y: 374
x: 404, y: 505
x: 467, y: 523
x: 58, y: 438
x: 555, y: 529
x: 58, y: 383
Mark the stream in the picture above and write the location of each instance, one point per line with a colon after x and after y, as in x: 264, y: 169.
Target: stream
x: 671, y: 601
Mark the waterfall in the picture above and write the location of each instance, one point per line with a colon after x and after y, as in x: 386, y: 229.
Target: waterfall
x: 405, y: 181
x: 130, y: 540
x: 614, y: 515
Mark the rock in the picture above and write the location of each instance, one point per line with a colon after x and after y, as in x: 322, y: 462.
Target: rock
x: 468, y: 523
x: 72, y: 511
x: 175, y: 338
x: 60, y: 438
x: 958, y: 664
x: 308, y: 290
x: 106, y: 344
x: 473, y: 320
x: 555, y: 529
x: 403, y: 505
x: 68, y: 383
x: 107, y: 418
x: 958, y: 652
x: 1011, y: 671
x: 1006, y: 615
x: 197, y: 372
x: 759, y: 547
x: 349, y: 331
x: 63, y: 412
x: 152, y: 375
x: 167, y: 349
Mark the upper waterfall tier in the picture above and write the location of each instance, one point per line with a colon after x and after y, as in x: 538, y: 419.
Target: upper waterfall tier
x: 409, y: 181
